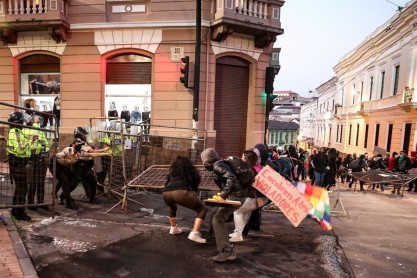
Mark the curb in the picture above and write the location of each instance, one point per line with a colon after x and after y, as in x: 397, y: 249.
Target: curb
x: 22, y: 255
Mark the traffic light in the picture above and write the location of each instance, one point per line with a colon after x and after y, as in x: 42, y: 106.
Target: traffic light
x: 185, y: 70
x: 269, y: 80
x: 270, y: 102
x: 269, y: 88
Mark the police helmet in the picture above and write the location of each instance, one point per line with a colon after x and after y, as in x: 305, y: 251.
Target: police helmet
x: 16, y: 117
x: 31, y: 119
x: 80, y: 132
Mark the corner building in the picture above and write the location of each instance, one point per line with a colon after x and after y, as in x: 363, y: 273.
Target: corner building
x: 101, y: 56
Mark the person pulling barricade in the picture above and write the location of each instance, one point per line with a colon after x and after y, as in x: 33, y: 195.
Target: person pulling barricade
x: 18, y: 151
x: 230, y: 188
x: 183, y: 177
x: 254, y: 201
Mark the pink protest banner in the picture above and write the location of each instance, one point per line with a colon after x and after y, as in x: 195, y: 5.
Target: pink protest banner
x: 286, y: 196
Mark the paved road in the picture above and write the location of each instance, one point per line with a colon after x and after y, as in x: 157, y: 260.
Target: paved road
x: 92, y: 243
x: 379, y: 234
x: 377, y: 238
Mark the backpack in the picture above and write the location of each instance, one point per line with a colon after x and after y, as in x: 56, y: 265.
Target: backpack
x: 241, y: 170
x: 355, y: 165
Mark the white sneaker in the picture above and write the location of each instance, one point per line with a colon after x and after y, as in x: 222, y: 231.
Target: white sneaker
x: 233, y: 235
x: 175, y: 230
x: 236, y: 239
x: 196, y: 237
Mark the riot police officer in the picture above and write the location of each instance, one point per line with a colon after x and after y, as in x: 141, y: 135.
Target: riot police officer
x: 83, y: 167
x: 18, y: 150
x: 37, y: 165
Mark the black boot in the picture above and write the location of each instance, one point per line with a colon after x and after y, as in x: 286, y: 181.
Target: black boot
x: 71, y: 204
x: 61, y: 199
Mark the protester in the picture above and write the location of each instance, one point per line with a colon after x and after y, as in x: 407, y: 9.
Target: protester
x: 255, y: 218
x: 358, y: 165
x: 402, y: 165
x: 182, y: 178
x: 377, y: 163
x: 320, y: 162
x: 331, y: 169
x: 255, y: 199
x: 303, y: 166
x: 391, y: 161
x: 311, y: 166
x: 293, y: 155
x: 231, y: 189
x: 413, y: 165
x: 345, y: 166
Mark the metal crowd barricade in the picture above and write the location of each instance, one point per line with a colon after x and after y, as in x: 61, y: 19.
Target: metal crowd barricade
x: 139, y: 150
x: 372, y: 177
x: 27, y: 180
x: 154, y: 178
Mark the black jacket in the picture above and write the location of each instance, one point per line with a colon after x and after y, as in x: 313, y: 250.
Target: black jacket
x: 378, y: 163
x: 404, y: 166
x: 227, y: 181
x: 320, y: 162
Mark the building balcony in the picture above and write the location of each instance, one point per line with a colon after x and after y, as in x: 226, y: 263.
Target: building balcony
x: 33, y: 15
x: 353, y: 109
x: 409, y: 100
x: 258, y: 18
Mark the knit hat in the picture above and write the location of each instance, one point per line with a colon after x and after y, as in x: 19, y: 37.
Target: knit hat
x: 263, y: 153
x: 209, y: 156
x: 260, y: 146
x: 258, y: 154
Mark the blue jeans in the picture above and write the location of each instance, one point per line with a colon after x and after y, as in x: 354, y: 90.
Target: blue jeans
x: 319, y: 178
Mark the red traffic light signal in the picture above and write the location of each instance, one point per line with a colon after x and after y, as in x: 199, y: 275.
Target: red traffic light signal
x: 185, y: 70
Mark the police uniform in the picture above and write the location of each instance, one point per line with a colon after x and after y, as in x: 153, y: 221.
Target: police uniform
x: 83, y: 167
x: 64, y: 160
x: 37, y: 166
x: 116, y: 174
x: 105, y: 162
x: 18, y: 151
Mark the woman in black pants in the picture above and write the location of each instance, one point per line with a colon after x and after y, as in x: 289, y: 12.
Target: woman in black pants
x: 182, y: 178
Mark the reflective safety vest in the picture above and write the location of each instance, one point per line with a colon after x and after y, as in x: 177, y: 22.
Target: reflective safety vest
x: 39, y: 146
x: 117, y: 145
x: 106, y: 142
x: 18, y: 144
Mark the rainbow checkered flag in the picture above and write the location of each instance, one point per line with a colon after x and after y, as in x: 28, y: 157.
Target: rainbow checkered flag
x: 319, y: 198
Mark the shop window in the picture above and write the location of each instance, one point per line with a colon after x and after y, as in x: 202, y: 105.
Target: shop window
x: 128, y: 87
x: 40, y: 85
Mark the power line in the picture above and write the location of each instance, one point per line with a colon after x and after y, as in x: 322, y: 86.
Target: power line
x: 398, y: 6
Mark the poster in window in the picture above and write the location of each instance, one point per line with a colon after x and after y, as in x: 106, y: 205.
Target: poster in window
x: 40, y: 83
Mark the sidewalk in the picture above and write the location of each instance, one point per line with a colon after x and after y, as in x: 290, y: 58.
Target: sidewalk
x: 14, y: 259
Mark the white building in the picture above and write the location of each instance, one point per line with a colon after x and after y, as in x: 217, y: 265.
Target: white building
x: 373, y: 93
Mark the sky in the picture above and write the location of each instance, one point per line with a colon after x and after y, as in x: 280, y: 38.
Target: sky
x: 318, y: 33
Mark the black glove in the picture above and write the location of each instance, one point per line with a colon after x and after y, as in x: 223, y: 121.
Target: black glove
x: 78, y: 147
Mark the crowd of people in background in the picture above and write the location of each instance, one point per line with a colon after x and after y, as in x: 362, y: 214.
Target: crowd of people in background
x: 324, y: 166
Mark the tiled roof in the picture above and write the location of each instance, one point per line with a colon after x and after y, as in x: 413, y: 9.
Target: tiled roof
x: 280, y: 125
